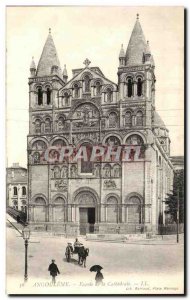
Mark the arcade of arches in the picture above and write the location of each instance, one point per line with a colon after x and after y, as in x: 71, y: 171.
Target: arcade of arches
x: 87, y: 213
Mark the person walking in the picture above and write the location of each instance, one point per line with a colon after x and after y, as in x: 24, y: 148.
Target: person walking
x: 53, y: 269
x: 99, y: 277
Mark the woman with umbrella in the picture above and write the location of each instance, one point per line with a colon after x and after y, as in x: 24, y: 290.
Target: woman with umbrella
x: 99, y: 276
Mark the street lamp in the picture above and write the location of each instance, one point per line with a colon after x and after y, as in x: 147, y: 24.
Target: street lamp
x: 26, y: 236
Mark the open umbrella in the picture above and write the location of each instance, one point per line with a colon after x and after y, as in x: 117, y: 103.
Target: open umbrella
x: 95, y: 268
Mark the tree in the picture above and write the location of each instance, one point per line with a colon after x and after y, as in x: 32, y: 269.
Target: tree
x: 171, y: 201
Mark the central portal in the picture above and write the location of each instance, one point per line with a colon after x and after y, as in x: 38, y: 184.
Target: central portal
x: 87, y: 219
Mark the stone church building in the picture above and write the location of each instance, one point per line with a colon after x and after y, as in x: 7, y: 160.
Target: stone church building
x: 89, y: 109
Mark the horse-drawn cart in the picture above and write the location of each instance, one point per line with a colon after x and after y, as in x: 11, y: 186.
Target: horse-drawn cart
x: 81, y: 251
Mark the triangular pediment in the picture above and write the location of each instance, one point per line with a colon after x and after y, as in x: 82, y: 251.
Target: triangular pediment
x: 94, y: 73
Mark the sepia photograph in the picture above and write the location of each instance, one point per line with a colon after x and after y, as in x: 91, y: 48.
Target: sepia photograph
x: 95, y: 150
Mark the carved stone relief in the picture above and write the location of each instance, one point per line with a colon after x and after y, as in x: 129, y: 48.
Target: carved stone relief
x: 109, y: 184
x: 74, y: 171
x: 86, y: 115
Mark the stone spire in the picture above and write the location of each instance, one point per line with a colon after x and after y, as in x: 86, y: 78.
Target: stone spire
x: 122, y: 53
x: 121, y: 57
x: 49, y: 62
x: 65, y: 76
x: 32, y: 67
x: 147, y: 54
x: 147, y: 50
x: 136, y: 47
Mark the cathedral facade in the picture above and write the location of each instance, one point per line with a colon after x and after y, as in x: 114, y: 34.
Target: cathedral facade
x: 104, y: 195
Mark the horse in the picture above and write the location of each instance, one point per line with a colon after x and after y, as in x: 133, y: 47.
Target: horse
x: 82, y: 255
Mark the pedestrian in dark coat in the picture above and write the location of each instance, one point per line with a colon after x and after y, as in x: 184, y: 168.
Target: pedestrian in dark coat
x: 99, y: 277
x: 53, y: 269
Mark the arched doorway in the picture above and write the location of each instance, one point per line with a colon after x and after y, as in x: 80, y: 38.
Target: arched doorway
x: 39, y: 210
x: 133, y: 213
x: 87, y: 208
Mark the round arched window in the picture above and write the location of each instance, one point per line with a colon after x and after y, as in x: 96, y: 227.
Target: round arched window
x: 139, y: 87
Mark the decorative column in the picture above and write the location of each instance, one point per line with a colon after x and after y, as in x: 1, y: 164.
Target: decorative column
x: 44, y: 98
x: 102, y: 209
x: 51, y: 213
x: 104, y: 97
x: 70, y: 132
x: 32, y: 213
x: 124, y: 89
x: 120, y: 90
x: 47, y: 213
x: 70, y: 213
x: 80, y: 92
x: 92, y: 91
x: 120, y: 113
x: 122, y: 185
x: 134, y: 88
x: 133, y: 120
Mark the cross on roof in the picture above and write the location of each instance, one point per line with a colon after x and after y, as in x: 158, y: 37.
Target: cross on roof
x: 86, y: 62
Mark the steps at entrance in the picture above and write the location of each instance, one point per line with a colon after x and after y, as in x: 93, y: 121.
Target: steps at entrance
x: 118, y: 237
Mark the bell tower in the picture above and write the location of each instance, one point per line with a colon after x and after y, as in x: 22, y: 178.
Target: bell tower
x: 44, y: 83
x: 136, y: 79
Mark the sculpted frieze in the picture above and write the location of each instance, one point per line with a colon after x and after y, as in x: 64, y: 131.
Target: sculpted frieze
x: 134, y: 69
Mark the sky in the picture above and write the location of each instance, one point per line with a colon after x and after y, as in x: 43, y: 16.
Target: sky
x: 95, y: 33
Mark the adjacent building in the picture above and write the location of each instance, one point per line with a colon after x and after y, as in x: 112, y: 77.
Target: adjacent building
x: 17, y: 181
x: 178, y: 162
x: 88, y: 110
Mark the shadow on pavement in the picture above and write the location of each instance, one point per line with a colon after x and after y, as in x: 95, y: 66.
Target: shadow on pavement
x: 72, y: 261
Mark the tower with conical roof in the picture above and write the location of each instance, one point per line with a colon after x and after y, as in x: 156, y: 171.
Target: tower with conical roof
x: 136, y: 92
x: 44, y: 83
x: 136, y: 77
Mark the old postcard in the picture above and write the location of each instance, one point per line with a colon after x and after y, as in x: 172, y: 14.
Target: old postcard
x: 95, y: 150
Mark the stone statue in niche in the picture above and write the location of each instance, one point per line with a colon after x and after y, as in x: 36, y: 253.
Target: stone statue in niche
x: 109, y: 184
x: 134, y: 140
x: 112, y: 141
x: 113, y: 120
x: 54, y: 155
x: 36, y: 157
x: 86, y: 117
x: 57, y: 173
x: 132, y: 154
x: 39, y: 145
x: 73, y: 171
x: 96, y: 170
x: 64, y: 172
x: 142, y: 152
x: 107, y: 171
x: 116, y: 171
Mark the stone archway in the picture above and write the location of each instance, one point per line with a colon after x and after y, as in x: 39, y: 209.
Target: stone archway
x: 86, y: 210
